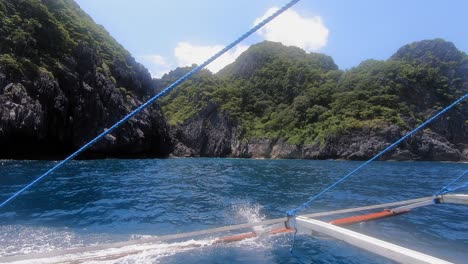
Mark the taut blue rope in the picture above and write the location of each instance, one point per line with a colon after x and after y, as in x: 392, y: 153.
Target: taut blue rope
x: 293, y: 212
x: 446, y: 188
x: 154, y: 98
x: 449, y: 190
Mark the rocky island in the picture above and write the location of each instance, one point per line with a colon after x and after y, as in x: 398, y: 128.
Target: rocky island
x: 280, y: 102
x: 64, y: 79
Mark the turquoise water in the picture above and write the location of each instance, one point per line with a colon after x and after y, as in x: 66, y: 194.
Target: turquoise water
x: 100, y: 201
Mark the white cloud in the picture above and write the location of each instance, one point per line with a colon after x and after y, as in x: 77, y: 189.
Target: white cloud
x: 156, y: 64
x: 292, y: 29
x: 157, y: 59
x: 188, y: 54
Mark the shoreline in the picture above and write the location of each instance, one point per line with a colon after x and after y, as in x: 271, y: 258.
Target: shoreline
x: 230, y: 158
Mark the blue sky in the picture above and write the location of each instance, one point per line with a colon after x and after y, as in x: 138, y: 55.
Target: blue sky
x: 165, y: 34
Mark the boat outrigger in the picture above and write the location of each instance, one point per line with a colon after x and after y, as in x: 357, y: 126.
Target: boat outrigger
x: 308, y: 224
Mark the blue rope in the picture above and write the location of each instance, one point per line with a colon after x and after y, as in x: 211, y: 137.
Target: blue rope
x: 446, y: 188
x: 457, y: 188
x: 449, y: 190
x: 156, y: 97
x: 293, y: 212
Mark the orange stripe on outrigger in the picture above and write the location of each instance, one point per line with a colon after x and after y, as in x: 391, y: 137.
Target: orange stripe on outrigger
x: 235, y: 238
x: 243, y: 236
x: 367, y: 217
x: 281, y: 230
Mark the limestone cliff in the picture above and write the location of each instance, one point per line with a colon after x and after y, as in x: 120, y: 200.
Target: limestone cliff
x: 64, y: 80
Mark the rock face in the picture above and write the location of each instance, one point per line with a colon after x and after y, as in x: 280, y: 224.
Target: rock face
x: 197, y: 138
x: 209, y: 134
x: 21, y: 117
x: 48, y: 116
x: 55, y: 98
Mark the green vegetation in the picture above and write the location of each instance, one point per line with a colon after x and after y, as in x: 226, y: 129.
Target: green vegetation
x: 274, y: 91
x: 46, y: 34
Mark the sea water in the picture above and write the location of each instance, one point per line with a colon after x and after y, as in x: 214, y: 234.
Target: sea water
x: 101, y: 201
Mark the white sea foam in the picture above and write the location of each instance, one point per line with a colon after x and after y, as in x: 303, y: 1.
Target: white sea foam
x: 38, y: 240
x: 145, y: 253
x: 22, y: 240
x: 248, y: 213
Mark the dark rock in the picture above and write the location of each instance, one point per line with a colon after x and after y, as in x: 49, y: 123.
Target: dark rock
x: 260, y: 149
x: 180, y: 150
x: 355, y: 145
x: 21, y: 118
x: 432, y: 146
x: 402, y: 155
x: 209, y: 134
x: 283, y: 150
x: 312, y: 151
x: 464, y: 154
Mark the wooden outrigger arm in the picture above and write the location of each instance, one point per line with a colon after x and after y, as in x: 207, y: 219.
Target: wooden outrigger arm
x: 377, y: 246
x: 374, y: 245
x: 454, y: 199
